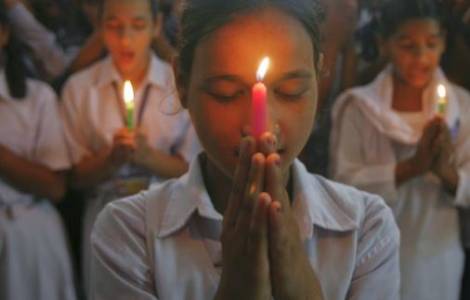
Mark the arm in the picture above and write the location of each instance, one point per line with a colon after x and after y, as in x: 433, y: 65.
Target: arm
x: 36, y: 36
x: 120, y: 264
x: 89, y: 53
x: 93, y: 170
x: 30, y: 177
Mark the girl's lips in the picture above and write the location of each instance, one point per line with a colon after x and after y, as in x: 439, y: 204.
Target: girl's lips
x: 127, y: 56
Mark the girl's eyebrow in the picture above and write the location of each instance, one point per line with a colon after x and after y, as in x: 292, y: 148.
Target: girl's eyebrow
x: 230, y: 78
x: 301, y: 73
x: 135, y: 18
x: 297, y: 74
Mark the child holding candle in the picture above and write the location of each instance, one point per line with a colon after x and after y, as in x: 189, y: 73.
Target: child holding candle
x: 112, y: 159
x: 34, y: 261
x: 247, y: 221
x: 405, y: 137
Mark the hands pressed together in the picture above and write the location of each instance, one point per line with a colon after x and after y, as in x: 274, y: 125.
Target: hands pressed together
x: 263, y: 255
x: 129, y: 146
x: 436, y: 152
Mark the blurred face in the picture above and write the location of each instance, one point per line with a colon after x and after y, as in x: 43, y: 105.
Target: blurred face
x: 415, y: 50
x: 218, y: 95
x: 128, y: 30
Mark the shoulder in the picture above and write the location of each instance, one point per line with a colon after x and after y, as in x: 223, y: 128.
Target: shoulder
x: 377, y: 228
x: 377, y: 234
x: 82, y: 80
x: 127, y: 217
x: 360, y: 206
x: 41, y: 94
x: 40, y: 89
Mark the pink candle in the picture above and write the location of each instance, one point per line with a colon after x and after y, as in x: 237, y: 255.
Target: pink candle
x: 259, y: 101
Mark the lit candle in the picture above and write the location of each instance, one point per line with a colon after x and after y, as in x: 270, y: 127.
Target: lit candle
x: 441, y: 104
x: 258, y: 101
x: 129, y: 103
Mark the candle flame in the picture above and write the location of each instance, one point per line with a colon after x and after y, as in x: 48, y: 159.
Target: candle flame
x: 263, y: 68
x: 441, y: 91
x: 128, y: 92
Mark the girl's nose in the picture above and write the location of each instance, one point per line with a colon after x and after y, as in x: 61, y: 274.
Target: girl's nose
x: 125, y: 35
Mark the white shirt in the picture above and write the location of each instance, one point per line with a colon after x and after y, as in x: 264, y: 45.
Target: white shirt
x: 34, y: 259
x: 32, y: 129
x: 365, y: 155
x: 164, y: 243
x: 92, y: 114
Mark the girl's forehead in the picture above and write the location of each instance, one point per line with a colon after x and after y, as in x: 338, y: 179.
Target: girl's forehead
x: 418, y: 27
x: 246, y: 39
x: 126, y: 8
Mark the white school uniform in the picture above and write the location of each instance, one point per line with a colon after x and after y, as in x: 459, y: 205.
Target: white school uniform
x: 92, y: 115
x: 34, y: 261
x: 165, y: 243
x: 368, y: 140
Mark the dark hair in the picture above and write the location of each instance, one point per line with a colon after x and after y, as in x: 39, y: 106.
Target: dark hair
x: 153, y: 8
x: 201, y: 17
x: 15, y: 70
x: 393, y: 13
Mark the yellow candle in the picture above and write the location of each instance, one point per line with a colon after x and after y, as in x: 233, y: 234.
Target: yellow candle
x: 441, y: 105
x: 129, y: 103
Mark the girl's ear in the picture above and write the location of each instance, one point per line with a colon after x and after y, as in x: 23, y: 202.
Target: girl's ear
x: 158, y: 25
x: 180, y: 84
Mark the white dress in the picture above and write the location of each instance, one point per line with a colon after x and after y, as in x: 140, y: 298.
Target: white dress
x: 34, y: 261
x: 368, y: 140
x: 92, y: 116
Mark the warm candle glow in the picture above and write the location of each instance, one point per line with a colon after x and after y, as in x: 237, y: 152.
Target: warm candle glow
x: 441, y: 91
x: 128, y: 94
x: 263, y: 69
x: 441, y: 105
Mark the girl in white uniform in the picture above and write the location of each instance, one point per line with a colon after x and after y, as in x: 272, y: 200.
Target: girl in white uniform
x: 109, y: 159
x: 34, y: 261
x: 247, y: 221
x: 389, y: 138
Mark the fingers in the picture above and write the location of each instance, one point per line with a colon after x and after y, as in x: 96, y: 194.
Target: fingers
x: 274, y: 181
x: 267, y: 143
x: 252, y: 190
x: 247, y: 149
x: 259, y: 221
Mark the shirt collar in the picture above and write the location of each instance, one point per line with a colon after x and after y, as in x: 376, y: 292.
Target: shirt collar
x: 157, y: 73
x: 188, y: 196
x: 315, y: 203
